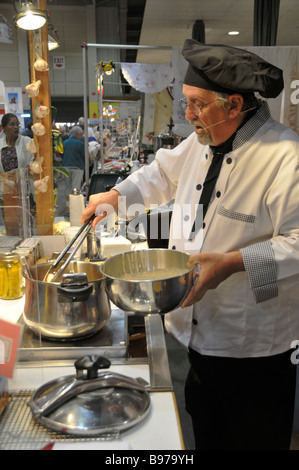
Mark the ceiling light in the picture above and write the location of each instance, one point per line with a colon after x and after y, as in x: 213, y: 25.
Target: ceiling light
x: 30, y: 18
x: 52, y: 43
x: 233, y: 33
x: 53, y: 39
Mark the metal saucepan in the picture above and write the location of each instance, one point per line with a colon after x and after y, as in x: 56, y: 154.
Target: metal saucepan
x: 166, y: 141
x: 78, y: 306
x: 148, y: 281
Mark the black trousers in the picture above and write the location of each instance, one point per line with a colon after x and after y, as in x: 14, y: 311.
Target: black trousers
x: 241, y: 404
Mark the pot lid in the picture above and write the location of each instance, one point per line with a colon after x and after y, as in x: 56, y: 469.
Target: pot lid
x: 91, y: 402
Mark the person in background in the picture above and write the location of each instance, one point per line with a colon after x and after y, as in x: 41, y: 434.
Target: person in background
x: 239, y: 173
x: 13, y: 145
x: 28, y: 130
x: 13, y: 157
x: 97, y: 135
x: 94, y: 149
x: 74, y: 159
x: 106, y: 139
x: 90, y: 129
x: 63, y: 132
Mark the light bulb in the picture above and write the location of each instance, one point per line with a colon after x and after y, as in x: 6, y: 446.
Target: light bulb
x: 30, y: 17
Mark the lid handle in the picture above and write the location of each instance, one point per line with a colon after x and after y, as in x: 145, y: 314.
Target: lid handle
x: 90, y: 365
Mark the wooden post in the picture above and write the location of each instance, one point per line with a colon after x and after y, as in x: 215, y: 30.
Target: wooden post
x: 38, y: 41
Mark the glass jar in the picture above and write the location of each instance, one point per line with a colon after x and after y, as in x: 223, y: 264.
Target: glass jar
x: 11, y: 282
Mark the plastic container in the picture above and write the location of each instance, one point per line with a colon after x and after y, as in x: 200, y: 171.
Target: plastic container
x: 77, y: 207
x: 69, y: 234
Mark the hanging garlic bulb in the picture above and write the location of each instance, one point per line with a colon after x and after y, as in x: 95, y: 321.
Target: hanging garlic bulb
x: 41, y: 111
x: 41, y: 185
x: 41, y: 65
x: 7, y: 186
x: 36, y: 166
x: 38, y: 128
x: 33, y: 88
x: 31, y: 146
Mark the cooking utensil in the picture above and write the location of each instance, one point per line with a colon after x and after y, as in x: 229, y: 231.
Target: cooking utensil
x: 94, y: 251
x: 25, y: 266
x: 82, y: 233
x: 77, y: 307
x: 91, y: 402
x: 169, y: 140
x: 57, y: 274
x: 148, y: 281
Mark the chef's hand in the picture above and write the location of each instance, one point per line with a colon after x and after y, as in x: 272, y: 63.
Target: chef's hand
x: 101, y: 204
x: 214, y: 269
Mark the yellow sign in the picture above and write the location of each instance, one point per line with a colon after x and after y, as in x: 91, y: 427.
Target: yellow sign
x: 93, y: 109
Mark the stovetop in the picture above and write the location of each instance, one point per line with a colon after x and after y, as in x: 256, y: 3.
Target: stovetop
x: 111, y: 341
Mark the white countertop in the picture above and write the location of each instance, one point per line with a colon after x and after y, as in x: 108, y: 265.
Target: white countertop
x: 160, y: 430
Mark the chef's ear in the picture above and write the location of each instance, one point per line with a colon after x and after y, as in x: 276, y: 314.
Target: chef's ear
x: 234, y: 105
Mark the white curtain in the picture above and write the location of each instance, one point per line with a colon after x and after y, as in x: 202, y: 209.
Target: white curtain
x: 148, y: 78
x: 5, y: 30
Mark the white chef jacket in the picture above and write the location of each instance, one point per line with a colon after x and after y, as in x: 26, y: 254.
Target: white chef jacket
x: 255, y: 209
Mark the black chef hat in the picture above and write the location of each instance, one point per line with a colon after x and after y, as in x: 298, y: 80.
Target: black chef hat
x: 228, y: 69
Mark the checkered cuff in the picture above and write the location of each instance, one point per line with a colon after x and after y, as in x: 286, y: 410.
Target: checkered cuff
x: 259, y: 262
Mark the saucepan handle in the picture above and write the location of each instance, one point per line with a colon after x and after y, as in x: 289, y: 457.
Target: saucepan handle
x: 74, y: 294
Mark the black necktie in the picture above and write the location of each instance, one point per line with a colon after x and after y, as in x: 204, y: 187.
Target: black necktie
x: 208, y: 187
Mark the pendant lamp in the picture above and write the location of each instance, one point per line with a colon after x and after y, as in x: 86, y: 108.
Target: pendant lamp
x: 30, y: 17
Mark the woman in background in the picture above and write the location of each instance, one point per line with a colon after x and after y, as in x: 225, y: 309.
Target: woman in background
x: 13, y: 151
x: 13, y: 155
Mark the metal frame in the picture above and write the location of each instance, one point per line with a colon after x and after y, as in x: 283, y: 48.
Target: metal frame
x: 85, y: 81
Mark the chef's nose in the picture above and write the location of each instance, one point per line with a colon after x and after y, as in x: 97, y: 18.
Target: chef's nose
x: 190, y: 113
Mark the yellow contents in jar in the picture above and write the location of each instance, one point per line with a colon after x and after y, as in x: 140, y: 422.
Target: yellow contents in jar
x: 3, y: 281
x: 11, y: 285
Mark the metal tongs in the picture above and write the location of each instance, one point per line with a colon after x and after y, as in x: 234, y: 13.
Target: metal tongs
x: 80, y: 235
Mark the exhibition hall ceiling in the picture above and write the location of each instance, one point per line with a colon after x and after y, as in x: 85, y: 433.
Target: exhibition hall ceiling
x: 170, y: 22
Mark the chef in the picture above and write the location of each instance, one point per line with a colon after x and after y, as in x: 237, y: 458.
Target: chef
x: 235, y: 185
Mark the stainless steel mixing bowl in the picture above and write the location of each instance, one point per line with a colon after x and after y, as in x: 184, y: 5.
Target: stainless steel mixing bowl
x: 147, y: 293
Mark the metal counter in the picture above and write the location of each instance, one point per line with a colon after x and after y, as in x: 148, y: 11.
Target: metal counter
x: 111, y: 341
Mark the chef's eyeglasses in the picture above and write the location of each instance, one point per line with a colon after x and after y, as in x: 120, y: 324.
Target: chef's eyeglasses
x: 195, y: 108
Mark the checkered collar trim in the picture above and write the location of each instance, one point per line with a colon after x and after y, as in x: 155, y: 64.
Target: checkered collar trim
x: 251, y: 127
